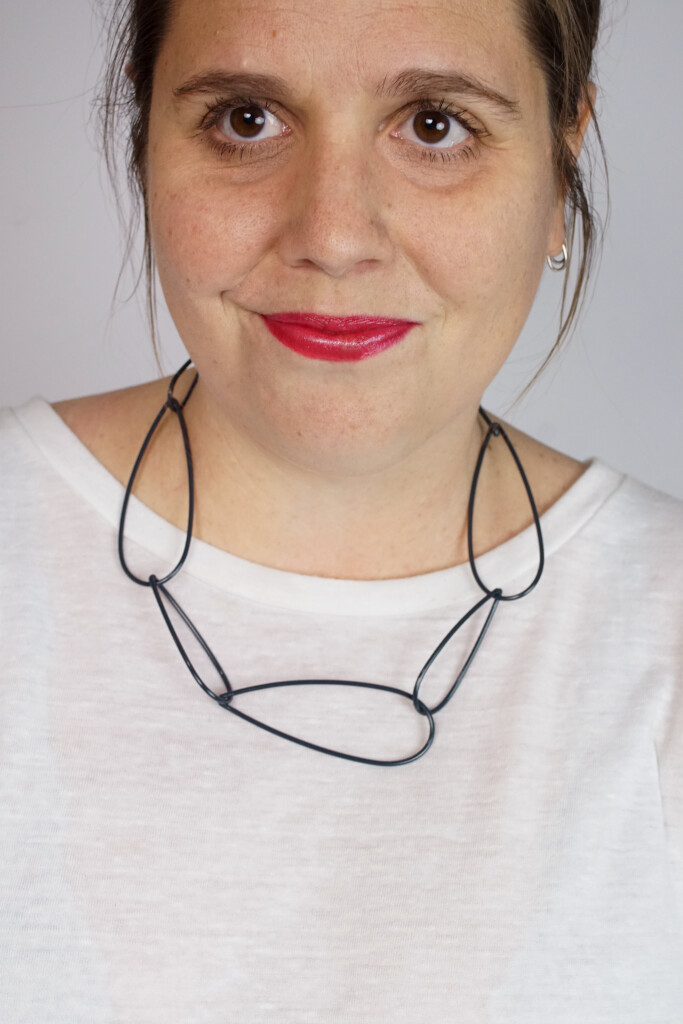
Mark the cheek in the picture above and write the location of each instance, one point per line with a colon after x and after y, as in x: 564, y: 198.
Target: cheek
x: 482, y: 247
x: 207, y: 236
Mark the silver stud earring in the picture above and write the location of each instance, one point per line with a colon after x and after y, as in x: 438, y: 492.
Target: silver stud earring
x: 559, y: 263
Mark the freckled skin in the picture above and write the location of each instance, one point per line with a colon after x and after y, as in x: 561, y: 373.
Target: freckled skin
x: 342, y: 221
x: 350, y: 470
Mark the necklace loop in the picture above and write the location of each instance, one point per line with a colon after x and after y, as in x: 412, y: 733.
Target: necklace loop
x: 173, y: 405
x: 497, y: 430
x: 165, y: 599
x: 493, y: 596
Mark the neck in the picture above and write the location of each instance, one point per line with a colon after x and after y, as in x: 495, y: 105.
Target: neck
x: 404, y: 517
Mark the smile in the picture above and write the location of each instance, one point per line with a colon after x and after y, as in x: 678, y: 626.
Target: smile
x: 336, y: 338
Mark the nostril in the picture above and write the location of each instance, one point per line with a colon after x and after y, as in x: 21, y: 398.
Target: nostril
x: 335, y: 239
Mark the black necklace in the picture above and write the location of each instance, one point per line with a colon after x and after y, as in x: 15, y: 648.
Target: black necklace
x: 225, y: 699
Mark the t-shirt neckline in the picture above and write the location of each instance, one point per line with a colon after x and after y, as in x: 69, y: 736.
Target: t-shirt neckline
x: 512, y: 562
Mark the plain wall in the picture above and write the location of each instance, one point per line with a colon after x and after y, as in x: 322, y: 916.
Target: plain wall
x: 616, y: 391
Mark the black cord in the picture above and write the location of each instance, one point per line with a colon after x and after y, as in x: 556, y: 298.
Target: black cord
x: 164, y: 597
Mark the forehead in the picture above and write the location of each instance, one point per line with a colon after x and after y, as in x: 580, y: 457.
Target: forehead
x: 345, y: 40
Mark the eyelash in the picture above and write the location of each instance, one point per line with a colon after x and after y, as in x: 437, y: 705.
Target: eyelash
x: 216, y: 111
x: 460, y: 117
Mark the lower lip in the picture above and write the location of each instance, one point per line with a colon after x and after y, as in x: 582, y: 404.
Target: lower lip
x: 342, y: 340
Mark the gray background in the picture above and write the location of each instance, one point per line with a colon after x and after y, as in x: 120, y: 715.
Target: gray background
x: 615, y: 392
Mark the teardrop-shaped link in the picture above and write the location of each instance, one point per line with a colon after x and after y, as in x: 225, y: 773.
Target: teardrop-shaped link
x: 394, y: 763
x: 497, y: 430
x: 173, y: 405
x: 158, y: 589
x: 495, y: 597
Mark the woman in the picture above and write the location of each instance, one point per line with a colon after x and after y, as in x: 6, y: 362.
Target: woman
x: 350, y: 206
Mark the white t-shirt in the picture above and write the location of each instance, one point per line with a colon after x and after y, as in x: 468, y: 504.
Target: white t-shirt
x: 166, y: 862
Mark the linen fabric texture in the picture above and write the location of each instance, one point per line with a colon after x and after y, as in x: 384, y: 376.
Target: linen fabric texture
x: 165, y: 861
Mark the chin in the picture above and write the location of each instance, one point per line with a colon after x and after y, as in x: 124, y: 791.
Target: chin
x: 333, y: 437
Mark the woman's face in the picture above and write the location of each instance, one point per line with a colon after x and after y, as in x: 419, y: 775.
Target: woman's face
x: 350, y: 157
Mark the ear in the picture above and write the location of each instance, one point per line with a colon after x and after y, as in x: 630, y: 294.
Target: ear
x: 586, y: 112
x: 575, y: 142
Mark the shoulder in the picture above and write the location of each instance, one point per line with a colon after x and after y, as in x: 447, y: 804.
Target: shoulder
x: 57, y: 460
x: 640, y: 517
x: 551, y: 473
x: 623, y: 560
x: 623, y: 515
x: 111, y: 424
x: 641, y: 522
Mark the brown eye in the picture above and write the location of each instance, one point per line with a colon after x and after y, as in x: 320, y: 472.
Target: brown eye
x: 250, y: 122
x: 433, y: 129
x: 431, y: 126
x: 247, y: 122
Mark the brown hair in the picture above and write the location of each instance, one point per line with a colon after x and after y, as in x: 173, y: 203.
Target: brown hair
x: 562, y: 34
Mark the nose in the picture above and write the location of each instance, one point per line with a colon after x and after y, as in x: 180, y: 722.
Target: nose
x: 334, y: 219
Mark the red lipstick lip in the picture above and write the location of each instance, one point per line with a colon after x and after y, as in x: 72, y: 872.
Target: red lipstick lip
x: 336, y: 338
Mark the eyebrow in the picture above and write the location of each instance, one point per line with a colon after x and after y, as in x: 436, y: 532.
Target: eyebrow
x: 417, y: 81
x: 412, y: 82
x: 223, y: 82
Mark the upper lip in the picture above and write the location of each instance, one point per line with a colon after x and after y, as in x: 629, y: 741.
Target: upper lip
x: 338, y: 324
